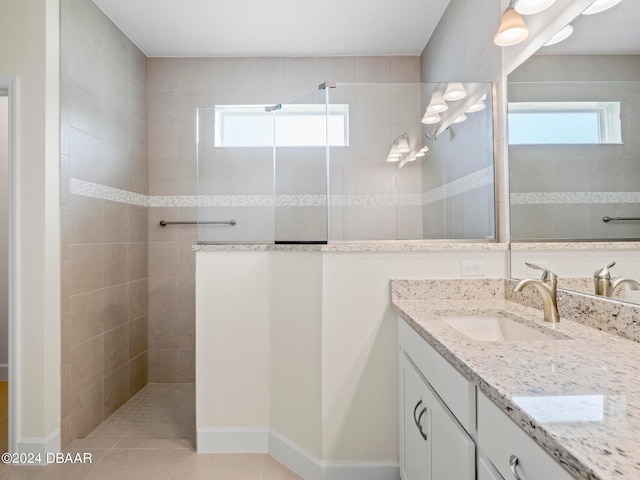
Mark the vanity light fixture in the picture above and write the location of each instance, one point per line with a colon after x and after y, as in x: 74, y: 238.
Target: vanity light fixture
x: 560, y: 36
x: 476, y: 107
x: 600, y: 6
x: 431, y: 118
x: 423, y: 151
x: 461, y: 118
x: 437, y: 103
x: 455, y: 91
x: 530, y: 7
x: 403, y: 145
x: 512, y: 30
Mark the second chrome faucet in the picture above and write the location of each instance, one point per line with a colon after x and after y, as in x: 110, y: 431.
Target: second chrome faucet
x: 547, y: 286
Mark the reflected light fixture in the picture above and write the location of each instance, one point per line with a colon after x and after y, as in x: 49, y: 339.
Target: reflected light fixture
x: 393, y: 159
x: 600, y: 6
x: 476, y: 107
x: 431, y: 118
x: 460, y: 119
x: 437, y: 103
x: 530, y: 7
x: 403, y: 145
x: 512, y: 30
x: 560, y: 36
x: 455, y: 91
x: 423, y: 151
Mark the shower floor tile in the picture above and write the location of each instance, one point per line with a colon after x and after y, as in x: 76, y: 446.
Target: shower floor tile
x: 152, y: 436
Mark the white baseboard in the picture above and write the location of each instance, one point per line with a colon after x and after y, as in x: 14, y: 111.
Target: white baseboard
x: 294, y: 457
x: 40, y: 445
x: 232, y: 440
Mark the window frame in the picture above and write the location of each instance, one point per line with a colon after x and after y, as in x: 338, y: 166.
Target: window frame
x: 608, y: 118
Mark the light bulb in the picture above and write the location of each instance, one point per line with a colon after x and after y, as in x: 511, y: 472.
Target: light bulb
x: 460, y: 119
x: 530, y: 7
x: 455, y: 91
x: 476, y: 107
x: 512, y: 30
x: 560, y: 36
x: 431, y: 118
x: 600, y: 6
x: 437, y: 103
x: 403, y: 145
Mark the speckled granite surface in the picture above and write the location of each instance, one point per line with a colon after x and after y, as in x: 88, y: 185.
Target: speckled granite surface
x: 576, y: 246
x: 579, y: 397
x: 399, y: 246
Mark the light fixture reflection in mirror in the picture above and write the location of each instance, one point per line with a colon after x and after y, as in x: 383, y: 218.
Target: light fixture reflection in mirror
x: 437, y: 103
x: 530, y: 7
x: 600, y: 6
x: 431, y: 118
x: 560, y: 36
x: 455, y: 91
x: 593, y: 408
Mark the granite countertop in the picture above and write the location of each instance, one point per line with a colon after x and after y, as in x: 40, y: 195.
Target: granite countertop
x: 523, y: 246
x: 390, y: 246
x: 577, y: 397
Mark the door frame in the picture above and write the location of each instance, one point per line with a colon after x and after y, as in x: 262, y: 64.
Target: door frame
x: 9, y: 86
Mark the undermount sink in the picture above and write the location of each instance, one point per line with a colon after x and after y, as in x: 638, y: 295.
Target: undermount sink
x: 496, y: 328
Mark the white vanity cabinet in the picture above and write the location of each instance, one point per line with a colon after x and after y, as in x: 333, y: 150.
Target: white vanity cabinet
x: 438, y: 423
x: 433, y: 444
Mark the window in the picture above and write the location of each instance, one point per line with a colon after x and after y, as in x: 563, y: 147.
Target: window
x: 564, y: 123
x: 289, y: 126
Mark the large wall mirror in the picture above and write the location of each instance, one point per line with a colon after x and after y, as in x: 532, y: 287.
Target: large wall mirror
x: 574, y: 142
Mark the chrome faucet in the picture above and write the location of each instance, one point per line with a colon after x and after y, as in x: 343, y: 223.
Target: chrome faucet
x: 605, y: 285
x: 547, y: 285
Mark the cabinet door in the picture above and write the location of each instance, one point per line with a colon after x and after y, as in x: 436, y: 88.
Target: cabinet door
x: 453, y: 453
x: 434, y: 446
x: 486, y: 470
x: 415, y: 449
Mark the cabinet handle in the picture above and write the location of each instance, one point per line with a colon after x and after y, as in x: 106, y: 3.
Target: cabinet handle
x: 415, y: 409
x: 513, y: 463
x: 419, y: 419
x: 424, y: 435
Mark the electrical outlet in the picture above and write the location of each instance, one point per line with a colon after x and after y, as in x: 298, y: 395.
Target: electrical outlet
x: 472, y: 269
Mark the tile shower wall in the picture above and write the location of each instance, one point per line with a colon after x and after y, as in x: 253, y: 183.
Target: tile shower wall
x: 176, y: 88
x: 563, y: 191
x: 458, y: 177
x: 104, y: 244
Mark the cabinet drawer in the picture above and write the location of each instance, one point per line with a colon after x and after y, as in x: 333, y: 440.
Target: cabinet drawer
x: 456, y: 391
x: 499, y: 438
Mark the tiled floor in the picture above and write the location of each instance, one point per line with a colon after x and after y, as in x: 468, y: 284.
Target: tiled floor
x: 152, y: 437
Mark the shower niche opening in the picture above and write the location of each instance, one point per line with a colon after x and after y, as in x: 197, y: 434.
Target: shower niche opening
x: 345, y: 163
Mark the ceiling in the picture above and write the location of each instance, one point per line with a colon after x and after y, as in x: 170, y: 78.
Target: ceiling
x: 612, y: 31
x: 275, y: 28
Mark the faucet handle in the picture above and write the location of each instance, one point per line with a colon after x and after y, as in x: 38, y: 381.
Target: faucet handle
x: 604, y: 271
x: 547, y: 275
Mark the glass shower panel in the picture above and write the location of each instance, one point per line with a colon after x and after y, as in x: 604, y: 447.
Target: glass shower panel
x: 370, y: 200
x: 235, y: 174
x: 301, y: 168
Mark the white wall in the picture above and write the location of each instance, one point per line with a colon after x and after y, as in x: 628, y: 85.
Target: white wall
x: 4, y: 236
x: 305, y: 344
x: 29, y: 48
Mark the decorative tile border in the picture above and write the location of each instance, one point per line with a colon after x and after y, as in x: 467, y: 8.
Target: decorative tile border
x: 557, y: 198
x: 478, y: 179
x: 95, y: 190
